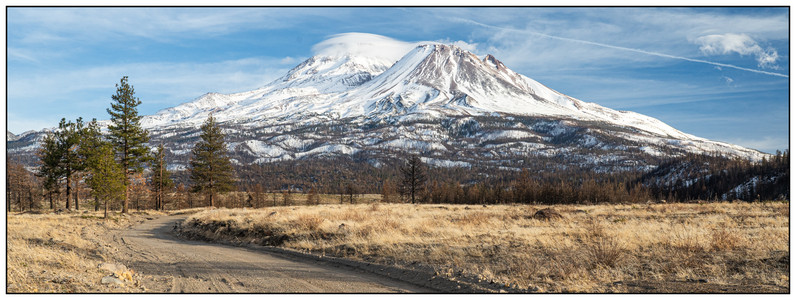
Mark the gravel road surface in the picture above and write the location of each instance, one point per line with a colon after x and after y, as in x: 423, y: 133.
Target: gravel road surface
x: 167, y: 264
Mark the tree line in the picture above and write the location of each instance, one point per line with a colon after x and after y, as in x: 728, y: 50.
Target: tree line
x: 117, y: 169
x: 111, y: 165
x: 713, y: 177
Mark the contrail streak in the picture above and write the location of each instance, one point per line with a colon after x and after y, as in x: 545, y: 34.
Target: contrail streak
x: 623, y: 48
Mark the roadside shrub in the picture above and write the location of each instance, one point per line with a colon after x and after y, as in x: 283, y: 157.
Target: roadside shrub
x: 308, y: 222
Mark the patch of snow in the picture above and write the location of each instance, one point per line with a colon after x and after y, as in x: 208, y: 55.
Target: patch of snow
x: 445, y: 163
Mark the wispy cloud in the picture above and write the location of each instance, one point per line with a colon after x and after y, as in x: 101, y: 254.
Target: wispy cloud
x: 19, y: 54
x: 738, y: 43
x: 624, y: 92
x: 664, y: 55
x: 728, y: 80
x: 94, y: 24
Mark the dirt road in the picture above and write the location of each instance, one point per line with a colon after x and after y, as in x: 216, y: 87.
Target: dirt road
x: 168, y: 264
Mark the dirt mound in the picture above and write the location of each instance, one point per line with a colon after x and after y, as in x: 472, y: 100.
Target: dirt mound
x: 547, y: 214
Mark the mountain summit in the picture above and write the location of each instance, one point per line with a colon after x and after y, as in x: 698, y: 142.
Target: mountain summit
x: 449, y: 105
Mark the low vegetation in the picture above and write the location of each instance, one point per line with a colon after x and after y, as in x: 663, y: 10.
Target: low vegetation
x: 66, y: 253
x: 567, y: 248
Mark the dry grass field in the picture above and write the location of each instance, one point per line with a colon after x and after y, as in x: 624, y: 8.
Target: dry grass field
x: 602, y: 248
x: 64, y: 253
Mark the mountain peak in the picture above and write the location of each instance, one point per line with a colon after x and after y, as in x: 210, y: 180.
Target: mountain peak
x: 348, y: 81
x: 494, y: 62
x: 334, y: 73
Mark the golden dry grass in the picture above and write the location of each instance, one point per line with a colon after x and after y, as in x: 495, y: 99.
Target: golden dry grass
x: 61, y: 253
x: 267, y: 199
x: 587, y: 250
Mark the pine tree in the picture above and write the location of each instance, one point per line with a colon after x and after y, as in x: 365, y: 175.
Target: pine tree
x: 160, y: 180
x: 211, y: 170
x: 91, y: 139
x: 59, y: 159
x: 414, y: 177
x: 126, y: 134
x: 106, y: 176
x: 50, y: 167
x: 68, y: 136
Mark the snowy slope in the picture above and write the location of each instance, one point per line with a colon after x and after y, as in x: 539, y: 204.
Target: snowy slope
x: 432, y: 79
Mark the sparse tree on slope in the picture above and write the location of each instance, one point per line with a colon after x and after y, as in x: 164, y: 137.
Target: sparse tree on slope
x: 19, y: 186
x: 414, y: 177
x: 126, y: 134
x: 312, y: 196
x: 387, y: 191
x: 211, y: 170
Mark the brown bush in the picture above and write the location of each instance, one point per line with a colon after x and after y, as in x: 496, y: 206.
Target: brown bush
x: 308, y: 222
x: 723, y: 239
x: 547, y: 214
x: 604, y: 251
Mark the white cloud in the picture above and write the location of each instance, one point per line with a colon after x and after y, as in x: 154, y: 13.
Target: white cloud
x: 363, y: 44
x: 561, y: 47
x: 542, y: 40
x: 737, y: 43
x: 728, y: 80
x: 472, y: 47
x: 377, y: 46
x: 468, y: 46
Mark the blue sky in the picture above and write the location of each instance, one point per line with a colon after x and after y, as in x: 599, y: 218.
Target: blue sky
x: 717, y: 73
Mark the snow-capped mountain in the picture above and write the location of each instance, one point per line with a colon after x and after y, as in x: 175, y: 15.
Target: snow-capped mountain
x: 443, y: 102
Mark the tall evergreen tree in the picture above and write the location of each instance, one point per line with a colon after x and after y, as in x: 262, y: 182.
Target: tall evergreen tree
x: 59, y: 158
x: 211, y: 170
x: 106, y: 176
x: 50, y: 168
x: 68, y: 136
x: 91, y: 139
x: 126, y: 134
x: 414, y: 177
x: 160, y: 180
